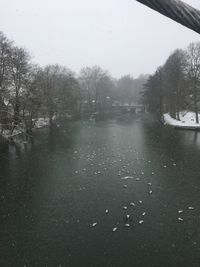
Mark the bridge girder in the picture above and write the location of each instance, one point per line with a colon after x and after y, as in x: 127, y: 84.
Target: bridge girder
x: 176, y: 10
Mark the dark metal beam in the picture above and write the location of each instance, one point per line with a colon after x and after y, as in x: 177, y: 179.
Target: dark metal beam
x: 176, y: 10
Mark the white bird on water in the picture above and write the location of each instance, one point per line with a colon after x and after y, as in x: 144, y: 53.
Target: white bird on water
x: 191, y: 208
x: 127, y: 177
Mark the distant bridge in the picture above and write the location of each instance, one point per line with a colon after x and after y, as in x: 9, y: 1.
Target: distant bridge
x: 133, y: 108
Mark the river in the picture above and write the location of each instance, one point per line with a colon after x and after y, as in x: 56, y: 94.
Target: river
x: 62, y: 195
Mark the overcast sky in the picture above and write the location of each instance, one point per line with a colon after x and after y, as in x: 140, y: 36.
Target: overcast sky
x: 121, y: 36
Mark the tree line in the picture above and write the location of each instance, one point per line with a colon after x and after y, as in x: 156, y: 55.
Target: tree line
x: 29, y: 91
x: 175, y: 86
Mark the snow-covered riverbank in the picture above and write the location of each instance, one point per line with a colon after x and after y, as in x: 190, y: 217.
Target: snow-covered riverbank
x: 39, y: 123
x: 187, y: 120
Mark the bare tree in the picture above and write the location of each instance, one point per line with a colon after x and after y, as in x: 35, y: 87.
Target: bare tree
x: 20, y: 70
x: 95, y: 83
x: 153, y: 93
x: 193, y: 57
x: 5, y: 79
x: 60, y: 90
x: 31, y: 99
x: 174, y: 81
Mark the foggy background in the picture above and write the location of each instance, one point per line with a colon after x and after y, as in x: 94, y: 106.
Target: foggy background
x: 120, y: 36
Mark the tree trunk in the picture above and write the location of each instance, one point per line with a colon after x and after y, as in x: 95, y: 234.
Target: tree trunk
x: 178, y: 115
x: 161, y: 103
x: 195, y: 105
x: 178, y: 104
x: 16, y: 108
x: 96, y: 101
x: 50, y: 118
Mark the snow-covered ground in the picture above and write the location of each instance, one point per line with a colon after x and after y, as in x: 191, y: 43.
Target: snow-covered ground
x: 39, y: 123
x: 187, y: 120
x: 6, y: 133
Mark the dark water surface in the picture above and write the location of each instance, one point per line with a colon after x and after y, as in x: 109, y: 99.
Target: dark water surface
x: 52, y: 191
